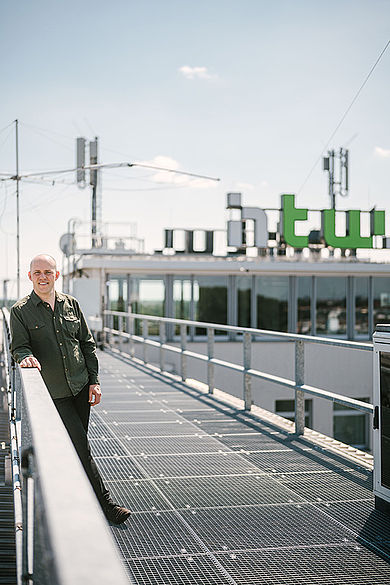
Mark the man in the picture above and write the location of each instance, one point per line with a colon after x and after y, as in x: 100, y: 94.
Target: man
x: 49, y: 332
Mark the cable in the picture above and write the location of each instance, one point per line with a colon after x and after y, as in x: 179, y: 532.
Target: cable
x: 344, y: 115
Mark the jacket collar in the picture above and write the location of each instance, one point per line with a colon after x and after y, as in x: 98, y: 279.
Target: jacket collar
x: 36, y: 299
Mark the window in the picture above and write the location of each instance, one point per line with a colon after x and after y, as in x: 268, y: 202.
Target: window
x: 272, y: 302
x: 210, y: 301
x: 244, y: 294
x: 304, y: 301
x: 331, y: 305
x: 147, y: 297
x: 350, y: 426
x: 182, y: 298
x: 286, y: 408
x: 117, y: 293
x: 381, y: 300
x: 361, y: 306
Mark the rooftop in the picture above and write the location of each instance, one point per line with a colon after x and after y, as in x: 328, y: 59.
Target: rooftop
x: 222, y: 497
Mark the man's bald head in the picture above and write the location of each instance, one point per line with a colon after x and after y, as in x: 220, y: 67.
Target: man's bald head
x: 45, y: 257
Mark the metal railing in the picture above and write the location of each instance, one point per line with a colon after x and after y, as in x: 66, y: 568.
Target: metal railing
x: 62, y: 537
x: 125, y: 331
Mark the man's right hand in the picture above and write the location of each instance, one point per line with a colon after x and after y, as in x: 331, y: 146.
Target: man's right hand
x: 30, y: 362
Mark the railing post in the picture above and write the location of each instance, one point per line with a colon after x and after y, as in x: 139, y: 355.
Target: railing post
x: 210, y: 354
x: 183, y: 357
x: 145, y: 336
x: 120, y: 327
x: 299, y: 394
x: 247, y: 342
x: 131, y: 332
x: 162, y: 340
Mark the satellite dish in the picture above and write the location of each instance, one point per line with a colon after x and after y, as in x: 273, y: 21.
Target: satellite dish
x: 67, y: 244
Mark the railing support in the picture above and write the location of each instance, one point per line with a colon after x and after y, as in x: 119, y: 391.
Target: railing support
x: 247, y: 342
x: 131, y: 332
x: 162, y: 341
x: 299, y: 394
x: 183, y: 357
x: 144, y: 335
x: 210, y: 355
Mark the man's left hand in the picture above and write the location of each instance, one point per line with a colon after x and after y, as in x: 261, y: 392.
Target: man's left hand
x: 95, y: 394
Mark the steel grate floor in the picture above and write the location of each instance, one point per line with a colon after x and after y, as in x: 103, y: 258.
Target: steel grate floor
x: 218, y: 498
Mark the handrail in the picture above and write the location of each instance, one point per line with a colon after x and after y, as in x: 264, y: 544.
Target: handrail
x: 298, y: 384
x: 14, y: 448
x: 251, y: 330
x: 70, y: 521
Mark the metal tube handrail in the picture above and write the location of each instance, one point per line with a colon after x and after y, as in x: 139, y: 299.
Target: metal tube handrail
x: 14, y: 448
x: 235, y: 329
x: 246, y: 370
x: 72, y: 515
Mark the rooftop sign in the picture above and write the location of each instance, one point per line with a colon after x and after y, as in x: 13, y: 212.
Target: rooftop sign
x: 290, y: 214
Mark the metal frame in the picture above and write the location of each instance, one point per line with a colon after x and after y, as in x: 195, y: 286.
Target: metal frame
x: 60, y: 513
x: 247, y: 334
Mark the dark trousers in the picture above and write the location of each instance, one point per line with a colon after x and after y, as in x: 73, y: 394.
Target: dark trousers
x: 74, y: 412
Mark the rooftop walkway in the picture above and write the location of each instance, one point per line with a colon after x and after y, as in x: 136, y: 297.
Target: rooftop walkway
x: 219, y: 498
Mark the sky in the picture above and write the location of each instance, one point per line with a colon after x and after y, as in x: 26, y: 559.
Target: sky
x: 249, y: 92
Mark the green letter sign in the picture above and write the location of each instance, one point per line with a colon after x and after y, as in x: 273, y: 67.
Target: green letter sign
x: 352, y: 239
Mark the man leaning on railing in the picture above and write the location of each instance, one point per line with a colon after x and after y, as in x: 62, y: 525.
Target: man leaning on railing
x: 49, y: 332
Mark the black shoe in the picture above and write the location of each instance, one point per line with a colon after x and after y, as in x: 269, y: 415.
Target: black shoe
x: 116, y: 514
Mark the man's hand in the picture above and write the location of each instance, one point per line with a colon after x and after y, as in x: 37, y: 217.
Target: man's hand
x: 30, y: 362
x: 94, y: 394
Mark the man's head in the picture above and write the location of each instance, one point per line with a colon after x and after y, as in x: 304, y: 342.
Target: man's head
x: 43, y: 274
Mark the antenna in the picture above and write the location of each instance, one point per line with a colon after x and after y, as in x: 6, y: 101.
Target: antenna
x: 340, y: 187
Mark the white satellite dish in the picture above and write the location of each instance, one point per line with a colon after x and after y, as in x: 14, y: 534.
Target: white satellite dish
x: 67, y: 244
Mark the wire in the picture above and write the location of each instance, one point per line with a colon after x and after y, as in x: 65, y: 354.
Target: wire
x: 344, y: 115
x: 6, y: 138
x: 5, y: 127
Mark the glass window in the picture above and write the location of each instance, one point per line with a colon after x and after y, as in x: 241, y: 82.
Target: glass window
x: 244, y: 290
x: 286, y: 408
x: 147, y: 297
x: 272, y: 302
x: 304, y: 300
x: 331, y: 305
x: 381, y: 300
x: 210, y: 301
x: 117, y: 293
x: 182, y: 298
x: 350, y: 425
x: 361, y: 306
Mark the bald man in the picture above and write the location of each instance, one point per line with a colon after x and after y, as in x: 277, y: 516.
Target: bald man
x: 49, y: 332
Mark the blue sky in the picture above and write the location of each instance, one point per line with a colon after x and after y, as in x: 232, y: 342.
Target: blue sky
x: 249, y: 92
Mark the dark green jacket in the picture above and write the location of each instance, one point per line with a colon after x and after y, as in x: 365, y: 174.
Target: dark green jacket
x: 59, y: 339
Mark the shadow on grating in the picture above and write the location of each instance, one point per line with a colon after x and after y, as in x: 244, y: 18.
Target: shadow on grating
x: 119, y: 468
x: 327, y: 487
x: 270, y: 526
x: 264, y: 527
x: 344, y: 564
x: 104, y: 447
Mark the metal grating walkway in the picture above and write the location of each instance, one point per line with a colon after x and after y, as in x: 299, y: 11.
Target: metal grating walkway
x: 220, y: 499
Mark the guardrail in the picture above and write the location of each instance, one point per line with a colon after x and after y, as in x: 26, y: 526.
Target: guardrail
x: 65, y: 537
x: 125, y: 330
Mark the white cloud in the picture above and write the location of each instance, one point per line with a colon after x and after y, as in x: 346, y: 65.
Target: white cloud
x: 382, y: 152
x: 162, y: 176
x: 195, y: 72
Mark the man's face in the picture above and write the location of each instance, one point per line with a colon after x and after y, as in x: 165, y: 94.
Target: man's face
x: 43, y: 275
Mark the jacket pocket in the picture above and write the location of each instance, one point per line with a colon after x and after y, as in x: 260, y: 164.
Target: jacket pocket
x: 37, y: 329
x: 72, y: 324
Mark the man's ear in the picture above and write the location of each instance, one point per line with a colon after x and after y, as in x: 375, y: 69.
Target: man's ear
x: 57, y: 274
x: 29, y: 275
